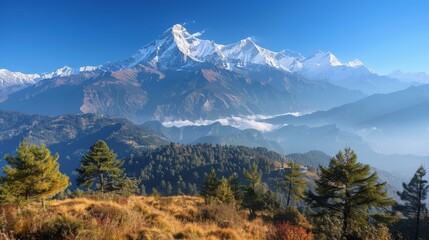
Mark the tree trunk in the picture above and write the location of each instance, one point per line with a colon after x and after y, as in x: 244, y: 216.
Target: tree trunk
x: 345, y: 223
x: 43, y: 204
x: 290, y: 190
x: 346, y: 212
x: 101, y: 182
x: 418, y: 211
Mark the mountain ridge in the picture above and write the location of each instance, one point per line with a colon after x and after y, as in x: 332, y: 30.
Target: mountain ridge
x: 176, y: 48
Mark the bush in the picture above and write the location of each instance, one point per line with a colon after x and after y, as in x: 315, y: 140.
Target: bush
x: 222, y: 215
x: 293, y: 216
x: 287, y: 231
x: 60, y: 227
x: 106, y: 214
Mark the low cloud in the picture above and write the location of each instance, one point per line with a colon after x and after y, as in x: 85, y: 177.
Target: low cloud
x: 241, y: 122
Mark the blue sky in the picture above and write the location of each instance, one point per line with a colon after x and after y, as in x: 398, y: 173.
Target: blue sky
x: 40, y: 36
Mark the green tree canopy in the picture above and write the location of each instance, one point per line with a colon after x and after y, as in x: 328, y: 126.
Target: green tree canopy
x: 210, y: 185
x: 100, y: 166
x: 224, y: 194
x: 414, y: 196
x: 254, y: 192
x: 33, y: 174
x: 293, y: 183
x: 234, y: 183
x: 348, y: 190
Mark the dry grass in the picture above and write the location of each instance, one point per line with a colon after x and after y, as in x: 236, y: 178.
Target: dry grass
x: 135, y: 217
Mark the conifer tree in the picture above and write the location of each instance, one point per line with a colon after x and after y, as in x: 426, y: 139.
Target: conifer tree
x: 210, y: 184
x: 100, y: 166
x: 224, y: 194
x: 348, y: 190
x: 292, y: 183
x: 33, y: 174
x: 234, y: 183
x: 414, y: 196
x: 254, y: 194
x: 155, y: 193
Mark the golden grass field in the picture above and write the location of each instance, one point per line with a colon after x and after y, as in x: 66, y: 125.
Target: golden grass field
x: 135, y: 217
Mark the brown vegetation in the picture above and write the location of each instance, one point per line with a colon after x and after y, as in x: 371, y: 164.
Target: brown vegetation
x: 135, y: 217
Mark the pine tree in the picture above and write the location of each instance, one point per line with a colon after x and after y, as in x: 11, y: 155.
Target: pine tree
x: 348, y: 190
x: 254, y: 192
x: 210, y: 184
x: 169, y: 188
x: 414, y: 196
x: 234, y: 183
x: 224, y: 194
x: 100, y: 166
x: 292, y: 183
x: 32, y: 175
x: 143, y: 190
x: 155, y: 193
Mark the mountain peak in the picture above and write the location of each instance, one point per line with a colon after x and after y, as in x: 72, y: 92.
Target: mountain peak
x: 247, y: 40
x: 178, y: 27
x: 320, y: 58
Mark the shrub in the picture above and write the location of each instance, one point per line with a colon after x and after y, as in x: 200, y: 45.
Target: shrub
x: 293, y: 216
x: 287, y: 231
x: 106, y: 214
x: 222, y: 215
x: 60, y: 227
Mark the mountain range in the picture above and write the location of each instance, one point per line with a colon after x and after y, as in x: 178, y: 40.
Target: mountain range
x: 178, y: 49
x: 179, y: 75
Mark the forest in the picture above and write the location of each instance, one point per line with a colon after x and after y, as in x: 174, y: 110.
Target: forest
x: 229, y: 190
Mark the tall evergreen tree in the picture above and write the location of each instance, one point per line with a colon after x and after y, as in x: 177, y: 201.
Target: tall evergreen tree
x: 348, y: 190
x: 254, y: 192
x: 224, y: 194
x: 100, y: 166
x: 234, y: 183
x: 210, y: 184
x: 414, y: 196
x: 33, y: 174
x: 292, y: 183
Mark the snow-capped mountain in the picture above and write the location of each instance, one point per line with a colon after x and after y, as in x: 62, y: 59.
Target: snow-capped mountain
x: 8, y: 78
x: 11, y: 82
x: 176, y: 48
x: 181, y: 76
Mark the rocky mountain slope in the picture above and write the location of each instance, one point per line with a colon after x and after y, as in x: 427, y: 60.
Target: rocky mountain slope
x: 180, y: 76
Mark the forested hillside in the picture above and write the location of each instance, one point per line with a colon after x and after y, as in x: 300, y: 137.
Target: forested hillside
x: 181, y: 169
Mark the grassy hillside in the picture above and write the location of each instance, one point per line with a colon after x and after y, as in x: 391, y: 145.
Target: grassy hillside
x: 136, y: 217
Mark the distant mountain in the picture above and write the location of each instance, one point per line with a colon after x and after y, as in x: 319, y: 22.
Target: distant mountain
x: 8, y: 78
x: 410, y: 77
x: 180, y: 76
x: 72, y: 135
x: 216, y: 134
x: 11, y: 82
x: 300, y: 139
x: 324, y: 66
x: 190, y: 134
x: 403, y: 107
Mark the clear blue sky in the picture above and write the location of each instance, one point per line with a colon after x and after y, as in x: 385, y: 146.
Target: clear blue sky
x: 40, y: 36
